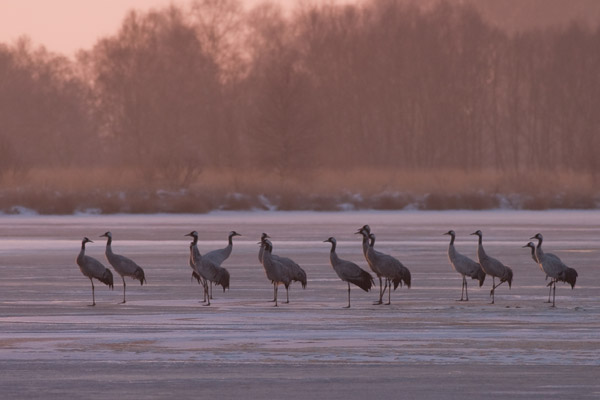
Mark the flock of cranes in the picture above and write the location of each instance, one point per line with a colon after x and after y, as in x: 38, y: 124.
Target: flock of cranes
x: 207, y: 269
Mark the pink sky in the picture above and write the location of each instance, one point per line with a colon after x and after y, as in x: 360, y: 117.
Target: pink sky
x: 65, y: 26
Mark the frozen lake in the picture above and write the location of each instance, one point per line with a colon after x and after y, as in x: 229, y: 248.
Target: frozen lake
x: 164, y: 343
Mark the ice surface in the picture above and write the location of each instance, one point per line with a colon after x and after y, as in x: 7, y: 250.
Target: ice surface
x: 164, y: 343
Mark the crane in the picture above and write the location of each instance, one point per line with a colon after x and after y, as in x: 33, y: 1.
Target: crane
x: 389, y: 267
x: 493, y: 267
x: 93, y: 268
x: 554, y: 268
x: 464, y: 266
x: 123, y: 265
x: 348, y: 271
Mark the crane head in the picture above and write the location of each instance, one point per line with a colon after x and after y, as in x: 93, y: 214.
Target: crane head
x: 451, y: 233
x: 107, y: 234
x: 478, y: 233
x: 193, y: 234
x: 86, y: 240
x: 538, y: 236
x: 530, y: 244
x: 330, y: 240
x: 234, y: 233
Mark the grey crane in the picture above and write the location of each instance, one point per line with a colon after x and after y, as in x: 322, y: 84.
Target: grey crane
x: 207, y: 269
x: 123, y: 265
x: 296, y: 272
x: 493, y: 267
x: 277, y: 272
x: 349, y: 272
x: 554, y: 268
x: 196, y: 263
x: 365, y: 231
x: 93, y: 268
x: 261, y: 251
x: 464, y: 266
x: 217, y: 257
x: 531, y: 245
x: 220, y: 255
x: 389, y: 267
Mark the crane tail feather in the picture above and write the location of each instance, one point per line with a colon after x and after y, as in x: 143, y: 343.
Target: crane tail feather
x: 140, y: 276
x: 107, y: 278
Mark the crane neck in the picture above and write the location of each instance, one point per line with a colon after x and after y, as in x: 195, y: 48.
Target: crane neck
x: 195, y: 240
x: 452, y: 237
x: 82, y: 246
x: 333, y: 245
x: 480, y: 239
x: 108, y: 246
x: 231, y: 240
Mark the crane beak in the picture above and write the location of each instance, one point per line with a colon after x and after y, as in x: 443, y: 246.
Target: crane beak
x: 474, y: 233
x: 533, y: 237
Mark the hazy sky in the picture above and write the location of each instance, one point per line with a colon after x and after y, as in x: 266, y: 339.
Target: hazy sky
x: 65, y: 26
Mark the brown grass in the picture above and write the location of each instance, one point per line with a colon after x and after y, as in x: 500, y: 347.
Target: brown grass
x: 64, y: 190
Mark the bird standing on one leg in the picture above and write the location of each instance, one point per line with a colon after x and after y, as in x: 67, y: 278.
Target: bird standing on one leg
x: 93, y: 268
x: 196, y: 265
x: 349, y: 272
x: 123, y: 265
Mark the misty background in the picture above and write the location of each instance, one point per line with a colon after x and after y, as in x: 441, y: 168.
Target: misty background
x: 384, y: 104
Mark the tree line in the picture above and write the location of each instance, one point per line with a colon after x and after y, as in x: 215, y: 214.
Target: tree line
x: 381, y: 84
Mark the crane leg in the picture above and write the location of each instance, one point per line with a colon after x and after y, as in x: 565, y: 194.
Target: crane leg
x: 381, y: 291
x: 210, y: 287
x: 466, y: 290
x: 462, y: 290
x: 389, y: 287
x: 274, y: 294
x: 550, y: 292
x: 275, y: 284
x: 124, y: 288
x: 494, y: 288
x: 287, y: 295
x: 93, y: 295
x: 553, y: 293
x: 206, y: 296
x: 348, y: 306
